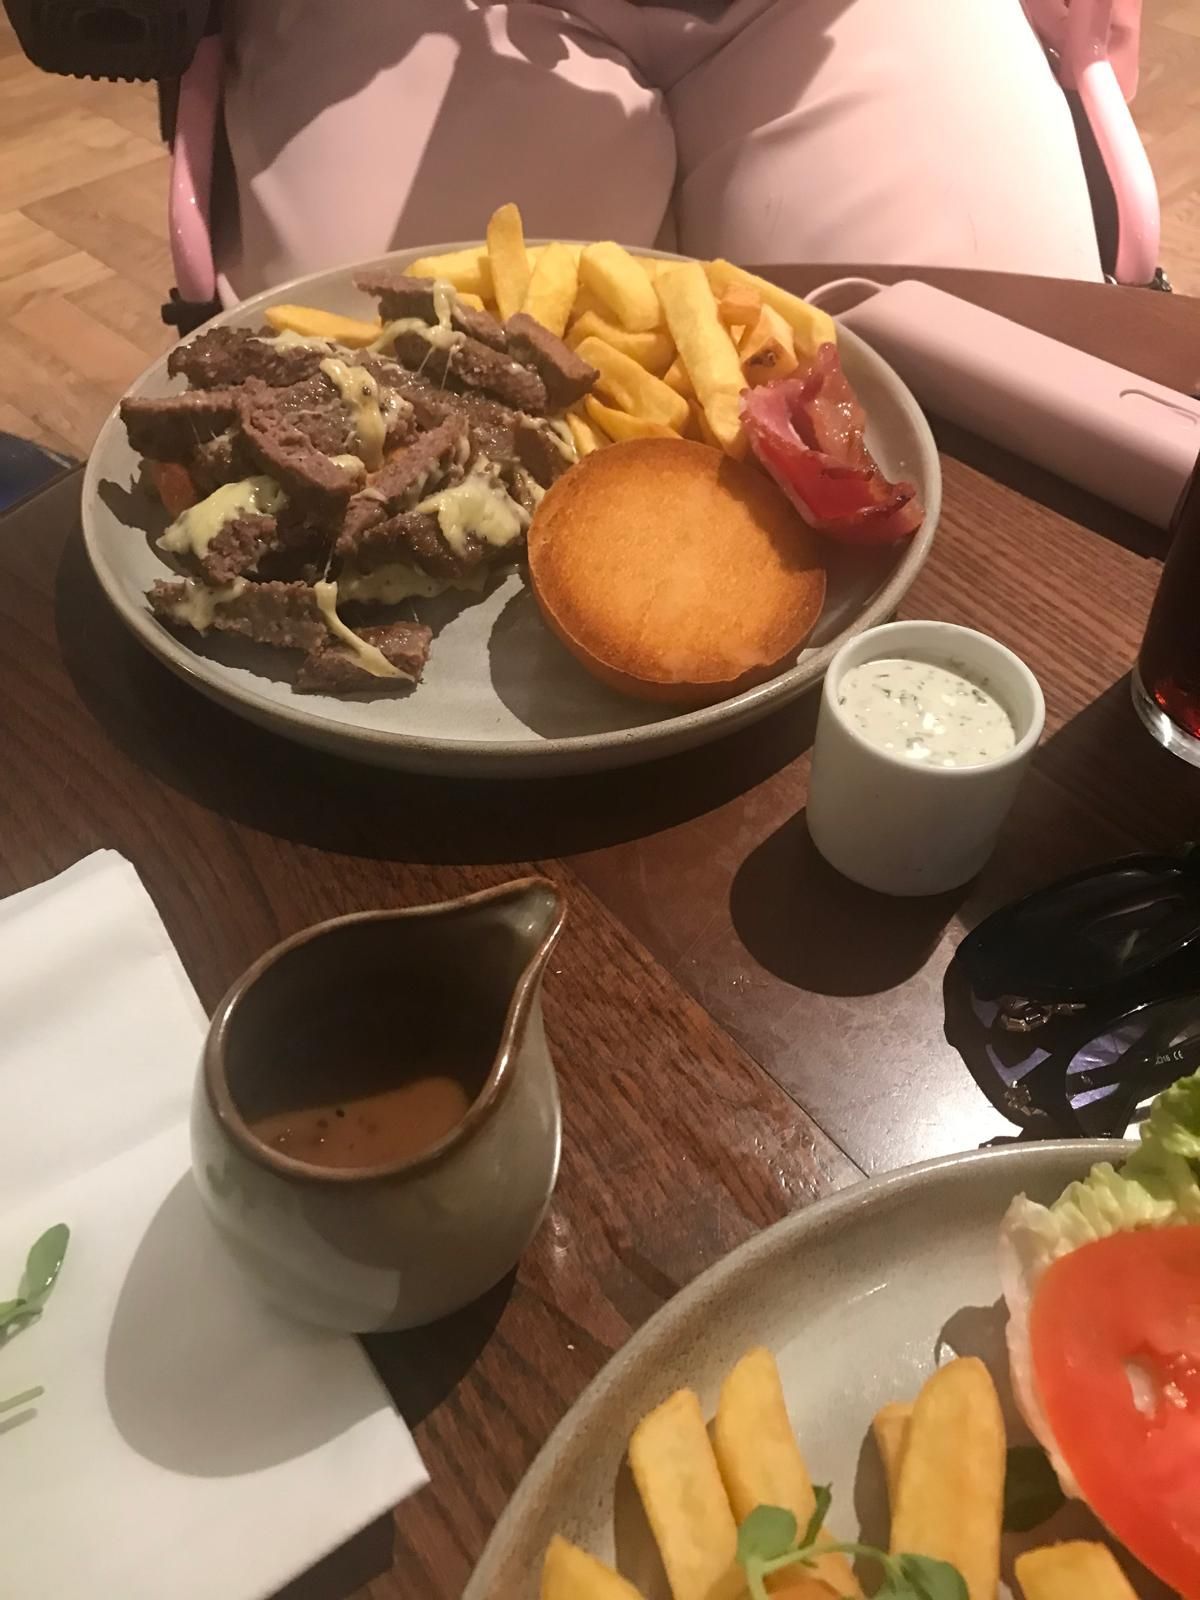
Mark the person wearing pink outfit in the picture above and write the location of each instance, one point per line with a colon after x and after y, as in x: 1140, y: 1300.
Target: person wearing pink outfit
x: 907, y: 131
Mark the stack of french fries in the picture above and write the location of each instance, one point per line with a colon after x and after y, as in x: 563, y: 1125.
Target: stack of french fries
x: 944, y: 1462
x: 674, y: 344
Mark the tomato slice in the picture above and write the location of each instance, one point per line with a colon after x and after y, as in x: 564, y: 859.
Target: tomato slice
x: 1115, y: 1337
x: 174, y: 484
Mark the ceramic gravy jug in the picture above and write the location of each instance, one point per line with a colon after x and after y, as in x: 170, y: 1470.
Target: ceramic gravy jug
x: 422, y: 1026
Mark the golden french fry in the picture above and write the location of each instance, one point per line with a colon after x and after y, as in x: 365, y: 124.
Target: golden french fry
x: 739, y: 306
x: 614, y: 276
x: 890, y: 1427
x: 1075, y: 1570
x: 702, y: 427
x: 801, y: 1588
x: 811, y: 326
x: 654, y: 350
x: 651, y: 265
x: 706, y: 350
x: 768, y: 349
x: 630, y: 387
x: 624, y: 425
x: 585, y: 302
x: 693, y: 429
x: 469, y: 299
x: 680, y: 1487
x: 535, y: 252
x: 676, y: 377
x: 465, y: 269
x: 760, y: 1460
x: 587, y: 438
x: 509, y: 262
x: 311, y: 323
x: 569, y: 1573
x: 725, y: 420
x: 552, y: 286
x: 950, y: 1495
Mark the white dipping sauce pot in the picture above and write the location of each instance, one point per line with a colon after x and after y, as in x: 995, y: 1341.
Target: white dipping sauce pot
x: 904, y: 827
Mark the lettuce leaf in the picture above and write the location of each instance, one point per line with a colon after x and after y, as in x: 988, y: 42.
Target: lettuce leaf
x: 1157, y: 1187
x: 1173, y: 1126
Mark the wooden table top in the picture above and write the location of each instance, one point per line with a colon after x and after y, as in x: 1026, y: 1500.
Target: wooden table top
x: 737, y: 1030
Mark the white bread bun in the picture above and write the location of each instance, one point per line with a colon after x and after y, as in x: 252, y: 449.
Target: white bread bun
x: 674, y: 573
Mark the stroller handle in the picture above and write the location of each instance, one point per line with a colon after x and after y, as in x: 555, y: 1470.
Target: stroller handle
x: 139, y: 40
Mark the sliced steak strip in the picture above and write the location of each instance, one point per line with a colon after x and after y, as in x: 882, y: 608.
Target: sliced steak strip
x: 413, y: 387
x: 402, y: 296
x: 492, y: 427
x: 475, y: 366
x: 170, y: 429
x: 285, y: 615
x: 332, y: 668
x: 239, y: 547
x: 311, y: 480
x: 566, y: 376
x: 226, y: 356
x: 416, y: 466
x: 541, y: 454
x: 409, y: 473
x: 315, y: 407
x: 252, y: 545
x: 414, y: 537
x: 225, y: 459
x: 364, y: 512
x: 429, y: 403
x: 525, y: 491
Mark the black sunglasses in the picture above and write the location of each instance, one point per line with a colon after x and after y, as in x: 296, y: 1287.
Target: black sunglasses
x: 1101, y: 935
x: 1075, y: 1006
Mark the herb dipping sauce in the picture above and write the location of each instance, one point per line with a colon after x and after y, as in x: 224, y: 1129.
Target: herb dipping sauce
x: 926, y: 713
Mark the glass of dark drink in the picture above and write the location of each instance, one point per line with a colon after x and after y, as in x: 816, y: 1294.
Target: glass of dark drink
x: 1166, y: 680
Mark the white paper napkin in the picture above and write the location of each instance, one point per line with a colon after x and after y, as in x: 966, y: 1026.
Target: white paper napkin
x: 190, y: 1443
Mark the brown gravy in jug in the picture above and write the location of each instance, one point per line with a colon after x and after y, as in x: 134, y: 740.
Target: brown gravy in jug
x: 368, y: 1080
x: 369, y: 1130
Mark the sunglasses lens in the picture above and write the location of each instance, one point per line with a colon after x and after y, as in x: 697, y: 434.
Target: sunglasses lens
x: 1070, y: 1078
x: 1082, y: 935
x: 1110, y: 1080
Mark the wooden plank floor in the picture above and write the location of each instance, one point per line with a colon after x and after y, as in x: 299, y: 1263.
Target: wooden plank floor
x: 84, y: 263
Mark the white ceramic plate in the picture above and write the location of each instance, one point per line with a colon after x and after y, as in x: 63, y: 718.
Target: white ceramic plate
x: 500, y: 696
x: 857, y: 1297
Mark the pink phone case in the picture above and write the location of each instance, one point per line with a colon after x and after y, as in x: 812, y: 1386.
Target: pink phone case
x: 1131, y: 441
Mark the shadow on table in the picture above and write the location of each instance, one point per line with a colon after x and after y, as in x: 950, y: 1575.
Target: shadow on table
x: 1112, y: 764
x: 419, y: 1369
x: 859, y: 943
x: 257, y: 778
x: 181, y: 1394
x: 184, y: 1381
x: 350, y: 1567
x: 1107, y: 790
x: 996, y: 1060
x: 1049, y: 490
x: 422, y: 1366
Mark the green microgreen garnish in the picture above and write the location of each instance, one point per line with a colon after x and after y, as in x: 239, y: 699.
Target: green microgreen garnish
x: 768, y: 1542
x: 42, y: 1266
x: 25, y: 1398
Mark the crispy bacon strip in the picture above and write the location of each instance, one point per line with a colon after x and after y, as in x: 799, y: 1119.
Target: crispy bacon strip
x: 807, y: 431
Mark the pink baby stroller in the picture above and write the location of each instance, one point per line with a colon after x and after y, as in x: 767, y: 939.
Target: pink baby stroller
x: 1091, y: 45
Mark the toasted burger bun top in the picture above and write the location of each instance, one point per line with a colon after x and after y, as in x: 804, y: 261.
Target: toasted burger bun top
x: 673, y: 572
